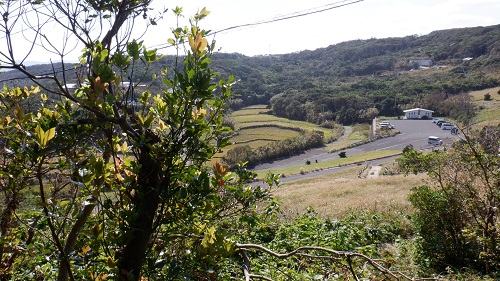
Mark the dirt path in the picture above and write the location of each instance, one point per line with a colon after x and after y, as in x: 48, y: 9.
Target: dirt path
x: 347, y: 132
x: 374, y: 172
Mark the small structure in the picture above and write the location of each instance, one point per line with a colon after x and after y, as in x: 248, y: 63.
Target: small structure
x: 421, y: 63
x: 418, y: 113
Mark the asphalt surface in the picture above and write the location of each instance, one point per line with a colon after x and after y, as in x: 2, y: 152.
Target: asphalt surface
x: 414, y: 132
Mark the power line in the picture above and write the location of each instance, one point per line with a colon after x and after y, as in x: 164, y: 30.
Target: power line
x: 294, y: 15
x: 302, y: 13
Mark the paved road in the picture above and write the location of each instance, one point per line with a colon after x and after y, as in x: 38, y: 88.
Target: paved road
x: 330, y: 170
x: 413, y: 132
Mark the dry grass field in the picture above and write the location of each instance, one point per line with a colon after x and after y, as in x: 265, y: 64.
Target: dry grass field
x: 489, y: 113
x: 336, y: 194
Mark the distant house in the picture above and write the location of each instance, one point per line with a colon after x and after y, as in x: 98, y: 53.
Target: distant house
x: 421, y: 63
x: 418, y: 113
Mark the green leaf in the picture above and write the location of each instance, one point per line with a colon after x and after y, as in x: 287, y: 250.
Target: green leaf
x: 121, y: 60
x: 150, y: 55
x: 40, y: 136
x: 50, y: 134
x: 64, y: 202
x: 133, y: 49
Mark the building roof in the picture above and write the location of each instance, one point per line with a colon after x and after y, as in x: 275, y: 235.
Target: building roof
x: 417, y: 109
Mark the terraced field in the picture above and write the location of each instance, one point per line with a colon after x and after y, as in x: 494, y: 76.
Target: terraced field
x: 256, y: 117
x: 254, y: 127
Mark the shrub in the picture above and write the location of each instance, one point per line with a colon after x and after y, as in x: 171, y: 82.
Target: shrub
x: 458, y: 215
x: 439, y: 222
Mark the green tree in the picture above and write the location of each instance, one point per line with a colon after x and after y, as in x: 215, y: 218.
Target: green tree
x: 457, y: 215
x: 119, y: 173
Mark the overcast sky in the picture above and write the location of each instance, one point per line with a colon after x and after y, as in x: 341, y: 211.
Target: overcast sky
x: 361, y: 20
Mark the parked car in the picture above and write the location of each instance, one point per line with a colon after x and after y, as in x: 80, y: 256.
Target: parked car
x: 434, y: 120
x: 440, y: 122
x: 386, y: 124
x: 447, y: 126
x: 434, y: 140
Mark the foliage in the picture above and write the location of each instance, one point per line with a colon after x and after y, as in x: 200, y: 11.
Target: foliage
x: 120, y: 173
x: 363, y: 233
x: 457, y: 216
x: 439, y: 222
x: 346, y: 82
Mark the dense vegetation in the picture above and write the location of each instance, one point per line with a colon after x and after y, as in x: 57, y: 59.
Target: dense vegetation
x: 457, y: 218
x: 106, y: 181
x: 351, y: 82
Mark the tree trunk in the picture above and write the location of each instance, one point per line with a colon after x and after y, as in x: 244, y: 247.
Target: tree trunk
x: 146, y: 202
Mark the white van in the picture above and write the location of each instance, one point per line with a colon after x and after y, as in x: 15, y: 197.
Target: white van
x: 434, y: 141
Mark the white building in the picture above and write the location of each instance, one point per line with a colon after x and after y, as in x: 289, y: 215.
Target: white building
x: 421, y: 63
x: 418, y: 113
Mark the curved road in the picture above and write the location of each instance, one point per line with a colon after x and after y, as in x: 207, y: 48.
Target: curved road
x: 413, y: 132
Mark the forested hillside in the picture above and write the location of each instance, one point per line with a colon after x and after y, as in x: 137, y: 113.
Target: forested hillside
x: 353, y: 81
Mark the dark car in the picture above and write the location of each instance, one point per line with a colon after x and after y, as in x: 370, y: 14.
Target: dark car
x: 440, y: 122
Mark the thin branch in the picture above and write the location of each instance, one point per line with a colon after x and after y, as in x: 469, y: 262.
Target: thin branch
x: 299, y: 252
x: 62, y: 254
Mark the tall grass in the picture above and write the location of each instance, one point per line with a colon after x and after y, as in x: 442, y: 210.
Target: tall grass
x: 337, y: 194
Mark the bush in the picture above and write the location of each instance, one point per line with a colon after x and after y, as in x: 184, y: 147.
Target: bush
x: 439, y: 223
x: 363, y: 232
x: 457, y: 217
x: 487, y: 97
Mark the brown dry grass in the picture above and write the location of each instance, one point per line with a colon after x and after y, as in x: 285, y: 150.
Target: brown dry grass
x: 336, y: 194
x: 489, y: 115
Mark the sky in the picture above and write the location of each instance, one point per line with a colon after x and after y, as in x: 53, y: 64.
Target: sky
x: 353, y: 19
x: 362, y: 20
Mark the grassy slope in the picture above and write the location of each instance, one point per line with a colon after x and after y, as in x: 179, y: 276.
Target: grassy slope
x: 336, y: 194
x: 359, y: 158
x: 489, y: 114
x: 251, y: 117
x: 256, y: 129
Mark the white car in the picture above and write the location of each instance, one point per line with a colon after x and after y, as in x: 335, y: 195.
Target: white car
x: 447, y: 126
x: 386, y: 124
x: 434, y: 140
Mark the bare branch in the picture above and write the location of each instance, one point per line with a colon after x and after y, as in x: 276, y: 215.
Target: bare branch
x: 335, y: 254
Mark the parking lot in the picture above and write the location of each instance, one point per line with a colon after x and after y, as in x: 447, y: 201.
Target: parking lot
x: 414, y: 132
